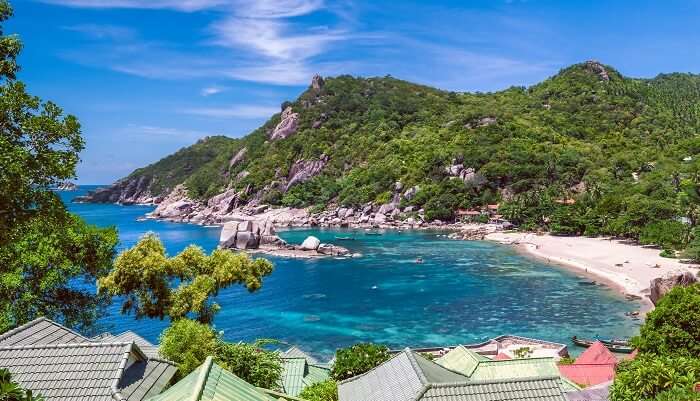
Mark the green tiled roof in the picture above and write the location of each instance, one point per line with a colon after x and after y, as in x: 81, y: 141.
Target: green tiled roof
x: 300, y: 370
x: 532, y: 389
x: 211, y: 382
x: 478, y: 367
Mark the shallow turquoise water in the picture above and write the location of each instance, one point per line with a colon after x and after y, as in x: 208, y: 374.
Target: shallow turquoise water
x: 463, y: 292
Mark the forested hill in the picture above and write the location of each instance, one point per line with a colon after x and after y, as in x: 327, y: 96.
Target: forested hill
x: 623, y: 149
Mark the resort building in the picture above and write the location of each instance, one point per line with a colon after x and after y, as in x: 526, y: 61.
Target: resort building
x: 479, y: 367
x: 595, y: 365
x: 211, y: 382
x: 300, y: 370
x: 506, y: 345
x: 62, y: 365
x: 408, y: 376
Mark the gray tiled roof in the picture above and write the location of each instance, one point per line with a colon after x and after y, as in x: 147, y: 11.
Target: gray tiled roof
x: 599, y: 392
x: 296, y: 352
x: 62, y: 365
x: 404, y: 377
x: 129, y: 336
x: 531, y: 389
x: 41, y: 331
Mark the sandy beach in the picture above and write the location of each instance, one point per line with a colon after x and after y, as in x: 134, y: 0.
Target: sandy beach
x: 627, y: 267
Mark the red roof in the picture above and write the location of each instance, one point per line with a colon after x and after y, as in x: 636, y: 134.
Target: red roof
x: 594, y: 366
x: 502, y: 357
x: 597, y: 353
x: 588, y: 375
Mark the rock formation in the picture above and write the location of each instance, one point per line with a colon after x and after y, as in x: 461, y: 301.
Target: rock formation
x: 127, y: 191
x: 311, y: 243
x: 176, y: 205
x: 303, y: 170
x: 287, y: 126
x: 598, y: 69
x: 317, y: 83
x: 238, y: 157
x: 66, y: 186
x: 662, y: 285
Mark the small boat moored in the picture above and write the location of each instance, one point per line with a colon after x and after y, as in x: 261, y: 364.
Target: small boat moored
x: 614, y: 345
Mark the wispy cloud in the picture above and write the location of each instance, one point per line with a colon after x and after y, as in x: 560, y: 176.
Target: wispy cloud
x: 212, y: 90
x: 235, y: 111
x: 96, y: 31
x: 168, y: 132
x: 179, y: 5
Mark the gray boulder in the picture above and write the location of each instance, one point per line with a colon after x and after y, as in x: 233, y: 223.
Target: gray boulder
x: 333, y: 250
x: 311, y: 243
x: 246, y: 240
x: 227, y: 239
x: 662, y: 285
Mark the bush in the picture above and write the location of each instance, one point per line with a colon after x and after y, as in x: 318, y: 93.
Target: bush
x: 321, y: 391
x: 251, y: 363
x: 358, y: 359
x: 673, y: 328
x: 648, y: 376
x: 678, y: 394
x: 188, y: 343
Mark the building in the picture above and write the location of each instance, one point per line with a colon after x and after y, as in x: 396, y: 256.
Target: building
x: 594, y: 366
x: 507, y: 345
x: 211, y: 382
x: 63, y: 365
x: 408, y: 376
x: 300, y: 370
x: 479, y: 367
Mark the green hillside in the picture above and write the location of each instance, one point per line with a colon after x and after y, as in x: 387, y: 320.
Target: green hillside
x: 624, y: 149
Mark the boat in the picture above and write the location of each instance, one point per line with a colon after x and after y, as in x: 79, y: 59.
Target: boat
x: 372, y: 233
x: 616, y: 341
x: 344, y: 238
x: 609, y: 344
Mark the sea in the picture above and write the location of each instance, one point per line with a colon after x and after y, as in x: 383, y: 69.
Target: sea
x: 462, y: 292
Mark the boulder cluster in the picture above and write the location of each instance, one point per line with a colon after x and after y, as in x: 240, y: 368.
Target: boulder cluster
x: 662, y: 285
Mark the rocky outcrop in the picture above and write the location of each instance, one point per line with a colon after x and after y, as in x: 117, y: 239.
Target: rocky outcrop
x: 66, y: 186
x: 481, y: 122
x: 176, y: 206
x: 467, y: 174
x: 250, y: 234
x: 287, y: 126
x: 662, y: 285
x: 311, y: 243
x: 317, y: 83
x: 597, y: 68
x: 238, y: 157
x: 127, y: 191
x: 303, y: 170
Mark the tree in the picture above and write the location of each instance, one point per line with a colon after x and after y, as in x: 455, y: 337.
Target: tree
x: 143, y: 273
x: 189, y: 343
x: 44, y: 250
x: 326, y: 390
x: 673, y: 328
x: 11, y: 391
x: 358, y: 359
x: 650, y: 377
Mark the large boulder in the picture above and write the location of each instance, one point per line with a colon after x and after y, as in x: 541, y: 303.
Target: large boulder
x: 311, y: 243
x: 332, y: 250
x: 227, y: 239
x: 247, y: 240
x: 662, y: 285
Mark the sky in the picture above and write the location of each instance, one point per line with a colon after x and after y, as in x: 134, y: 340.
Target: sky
x: 147, y: 77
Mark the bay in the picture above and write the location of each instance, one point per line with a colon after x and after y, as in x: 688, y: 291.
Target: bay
x: 463, y: 291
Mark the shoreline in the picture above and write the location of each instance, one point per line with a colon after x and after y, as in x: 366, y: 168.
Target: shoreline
x: 625, y: 268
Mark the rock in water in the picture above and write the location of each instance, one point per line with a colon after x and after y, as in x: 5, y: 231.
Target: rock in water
x: 332, y: 250
x: 662, y: 285
x: 311, y: 243
x: 227, y: 239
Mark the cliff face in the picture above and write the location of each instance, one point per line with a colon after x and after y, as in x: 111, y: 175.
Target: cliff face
x: 389, y: 149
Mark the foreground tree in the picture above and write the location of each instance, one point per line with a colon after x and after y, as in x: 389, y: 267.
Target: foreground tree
x: 144, y: 273
x: 45, y: 252
x: 322, y: 391
x: 188, y: 343
x: 650, y: 377
x: 358, y: 359
x: 11, y: 391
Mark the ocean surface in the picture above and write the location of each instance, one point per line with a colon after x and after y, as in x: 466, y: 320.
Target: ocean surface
x: 463, y: 291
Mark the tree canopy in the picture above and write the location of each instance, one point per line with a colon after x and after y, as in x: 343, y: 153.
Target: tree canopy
x: 48, y: 257
x: 358, y: 359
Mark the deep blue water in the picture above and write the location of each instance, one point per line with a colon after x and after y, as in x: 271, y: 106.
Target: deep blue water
x: 463, y: 292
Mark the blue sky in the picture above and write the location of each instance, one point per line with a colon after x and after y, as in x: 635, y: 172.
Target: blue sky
x: 147, y: 77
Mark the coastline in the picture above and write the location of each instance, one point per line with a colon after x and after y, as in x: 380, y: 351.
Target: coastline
x: 626, y: 268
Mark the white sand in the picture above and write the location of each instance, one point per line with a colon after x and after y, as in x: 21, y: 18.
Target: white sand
x: 599, y: 257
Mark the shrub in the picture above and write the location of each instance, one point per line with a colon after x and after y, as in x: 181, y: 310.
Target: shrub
x: 358, y: 359
x: 188, y: 343
x: 673, y: 328
x: 648, y: 376
x: 251, y: 363
x: 321, y: 391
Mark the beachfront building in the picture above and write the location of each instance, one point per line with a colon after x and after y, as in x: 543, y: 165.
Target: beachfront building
x: 479, y: 367
x: 300, y: 370
x: 594, y: 366
x: 211, y: 382
x: 507, y: 346
x: 63, y: 365
x: 408, y: 376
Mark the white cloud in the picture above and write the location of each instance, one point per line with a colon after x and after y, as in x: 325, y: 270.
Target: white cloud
x: 236, y: 111
x: 179, y: 5
x: 96, y: 31
x: 168, y: 132
x: 211, y: 90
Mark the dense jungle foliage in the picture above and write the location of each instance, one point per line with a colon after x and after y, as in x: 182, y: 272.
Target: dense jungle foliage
x: 625, y: 150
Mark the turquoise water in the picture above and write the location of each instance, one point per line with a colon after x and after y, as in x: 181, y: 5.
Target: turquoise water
x: 463, y: 292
